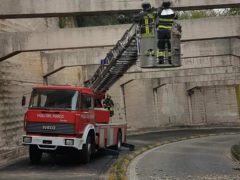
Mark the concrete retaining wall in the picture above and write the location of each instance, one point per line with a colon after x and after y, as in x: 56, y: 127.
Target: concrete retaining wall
x: 171, y: 105
x: 17, y: 76
x: 214, y: 105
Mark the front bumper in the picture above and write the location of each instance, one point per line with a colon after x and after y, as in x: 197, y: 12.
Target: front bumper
x: 52, y: 143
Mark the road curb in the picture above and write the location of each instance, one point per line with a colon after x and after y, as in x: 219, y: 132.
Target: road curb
x: 119, y: 169
x: 150, y: 130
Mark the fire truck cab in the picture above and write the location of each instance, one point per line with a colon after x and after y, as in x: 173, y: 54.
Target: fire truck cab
x: 69, y: 119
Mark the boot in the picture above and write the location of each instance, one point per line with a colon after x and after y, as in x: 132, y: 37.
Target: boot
x: 161, y: 60
x: 170, y: 60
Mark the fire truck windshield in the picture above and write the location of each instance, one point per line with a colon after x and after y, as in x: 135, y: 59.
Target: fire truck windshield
x: 54, y: 99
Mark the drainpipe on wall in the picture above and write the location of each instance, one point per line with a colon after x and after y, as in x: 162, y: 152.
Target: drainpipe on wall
x: 190, y: 92
x: 190, y: 109
x: 123, y: 96
x: 155, y: 96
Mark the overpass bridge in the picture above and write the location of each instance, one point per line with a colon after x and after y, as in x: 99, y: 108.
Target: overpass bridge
x: 51, y: 8
x: 107, y: 36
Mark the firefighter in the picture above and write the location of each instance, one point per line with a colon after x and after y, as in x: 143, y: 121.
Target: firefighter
x: 164, y: 26
x: 146, y: 20
x: 108, y: 104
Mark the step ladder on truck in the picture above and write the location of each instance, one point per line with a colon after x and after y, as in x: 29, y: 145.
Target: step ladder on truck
x: 73, y: 120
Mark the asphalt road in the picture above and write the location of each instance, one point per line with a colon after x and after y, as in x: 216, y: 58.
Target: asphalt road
x: 59, y: 167
x: 62, y: 167
x: 200, y: 158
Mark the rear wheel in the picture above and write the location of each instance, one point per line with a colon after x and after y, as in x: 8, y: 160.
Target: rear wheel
x: 119, y: 141
x: 35, y: 154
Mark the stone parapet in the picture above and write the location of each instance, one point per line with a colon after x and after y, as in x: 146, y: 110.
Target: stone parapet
x: 43, y: 8
x: 103, y: 36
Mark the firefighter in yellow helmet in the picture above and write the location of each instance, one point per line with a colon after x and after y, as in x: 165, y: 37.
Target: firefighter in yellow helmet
x: 164, y: 27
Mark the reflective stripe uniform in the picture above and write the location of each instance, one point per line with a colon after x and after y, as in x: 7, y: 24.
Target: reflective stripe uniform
x: 147, y: 24
x: 164, y: 33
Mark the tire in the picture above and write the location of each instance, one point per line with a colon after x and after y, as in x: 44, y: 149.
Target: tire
x: 86, y: 151
x: 35, y: 154
x: 118, y: 146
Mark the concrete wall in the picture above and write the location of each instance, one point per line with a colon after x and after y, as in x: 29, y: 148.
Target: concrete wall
x: 170, y: 105
x: 210, y: 28
x: 147, y: 106
x: 17, y: 76
x: 56, y: 60
x: 139, y: 104
x: 214, y: 105
x: 60, y: 39
x: 28, y: 25
x: 167, y: 105
x: 72, y: 75
x: 31, y: 8
x: 210, y: 70
x: 235, y: 43
x: 108, y: 35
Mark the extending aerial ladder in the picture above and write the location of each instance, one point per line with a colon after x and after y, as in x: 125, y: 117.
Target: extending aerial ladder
x: 117, y: 62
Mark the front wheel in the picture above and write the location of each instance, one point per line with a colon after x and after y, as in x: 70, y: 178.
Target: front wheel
x: 87, y: 151
x: 35, y: 154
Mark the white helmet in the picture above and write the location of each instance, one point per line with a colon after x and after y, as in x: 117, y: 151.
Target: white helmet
x: 166, y: 12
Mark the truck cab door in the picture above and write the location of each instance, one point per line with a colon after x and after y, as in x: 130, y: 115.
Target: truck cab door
x: 87, y: 111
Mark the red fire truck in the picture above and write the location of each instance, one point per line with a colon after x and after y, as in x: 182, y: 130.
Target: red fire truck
x: 69, y: 119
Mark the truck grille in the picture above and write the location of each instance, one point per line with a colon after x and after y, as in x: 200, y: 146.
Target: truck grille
x: 50, y: 128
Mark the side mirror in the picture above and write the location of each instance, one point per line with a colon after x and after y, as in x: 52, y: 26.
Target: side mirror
x: 23, y: 100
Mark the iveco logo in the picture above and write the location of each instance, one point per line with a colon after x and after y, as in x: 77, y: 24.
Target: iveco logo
x: 49, y: 128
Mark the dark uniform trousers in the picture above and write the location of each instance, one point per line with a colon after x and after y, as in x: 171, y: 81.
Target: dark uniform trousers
x: 164, y: 37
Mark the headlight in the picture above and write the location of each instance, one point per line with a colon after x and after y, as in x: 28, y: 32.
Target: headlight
x: 69, y: 142
x: 27, y: 139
